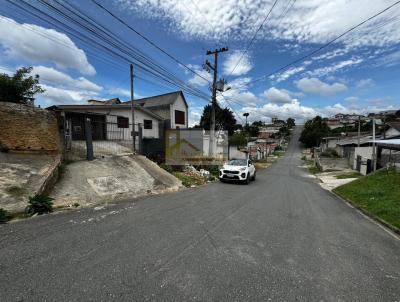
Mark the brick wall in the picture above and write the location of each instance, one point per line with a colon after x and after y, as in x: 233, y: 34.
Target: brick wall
x: 24, y: 128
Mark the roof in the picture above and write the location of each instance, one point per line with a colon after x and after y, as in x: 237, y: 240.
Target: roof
x: 160, y: 100
x: 106, y: 102
x: 395, y: 125
x: 112, y: 106
x: 394, y: 142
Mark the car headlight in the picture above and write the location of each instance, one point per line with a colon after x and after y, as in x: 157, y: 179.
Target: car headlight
x: 243, y: 169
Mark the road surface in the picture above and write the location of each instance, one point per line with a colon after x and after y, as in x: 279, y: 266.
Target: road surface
x: 281, y: 238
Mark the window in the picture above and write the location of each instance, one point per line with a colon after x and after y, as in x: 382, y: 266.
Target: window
x: 122, y: 122
x: 147, y: 124
x: 179, y: 117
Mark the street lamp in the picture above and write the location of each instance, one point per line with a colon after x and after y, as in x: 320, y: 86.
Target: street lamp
x: 246, y: 114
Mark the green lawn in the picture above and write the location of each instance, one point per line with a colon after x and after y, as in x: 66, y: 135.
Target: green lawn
x: 378, y: 194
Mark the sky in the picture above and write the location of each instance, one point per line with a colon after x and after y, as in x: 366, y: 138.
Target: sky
x: 358, y: 73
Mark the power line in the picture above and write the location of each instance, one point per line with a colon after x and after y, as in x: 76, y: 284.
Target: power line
x: 321, y: 47
x: 148, y: 40
x: 158, y: 71
x: 253, y: 38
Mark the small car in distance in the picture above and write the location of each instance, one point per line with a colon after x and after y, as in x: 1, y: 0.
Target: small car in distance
x: 238, y: 170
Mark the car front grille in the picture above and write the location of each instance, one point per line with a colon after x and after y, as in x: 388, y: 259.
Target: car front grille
x: 231, y: 172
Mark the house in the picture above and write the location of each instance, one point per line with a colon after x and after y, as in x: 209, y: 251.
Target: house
x: 111, y: 123
x: 172, y: 107
x: 393, y: 131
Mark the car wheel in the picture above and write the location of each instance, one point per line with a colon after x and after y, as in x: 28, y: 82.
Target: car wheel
x: 254, y: 176
x: 222, y: 180
x: 247, y: 181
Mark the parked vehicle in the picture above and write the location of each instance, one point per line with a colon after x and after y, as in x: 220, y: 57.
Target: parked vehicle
x: 238, y: 170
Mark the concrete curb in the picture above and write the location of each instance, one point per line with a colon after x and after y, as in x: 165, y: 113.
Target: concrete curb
x: 384, y: 224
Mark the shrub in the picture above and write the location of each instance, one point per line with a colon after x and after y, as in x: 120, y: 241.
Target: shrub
x: 39, y: 204
x: 4, y: 216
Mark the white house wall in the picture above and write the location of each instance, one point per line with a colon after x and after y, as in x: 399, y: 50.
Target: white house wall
x: 140, y: 116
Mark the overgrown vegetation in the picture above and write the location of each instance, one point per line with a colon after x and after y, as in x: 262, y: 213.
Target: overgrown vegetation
x: 167, y: 168
x: 378, y: 194
x: 4, y: 216
x: 191, y: 179
x: 39, y: 204
x: 20, y: 87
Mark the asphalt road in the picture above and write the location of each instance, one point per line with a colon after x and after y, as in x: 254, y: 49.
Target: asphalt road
x: 281, y: 238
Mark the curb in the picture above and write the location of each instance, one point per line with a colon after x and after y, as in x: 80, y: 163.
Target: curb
x: 384, y: 224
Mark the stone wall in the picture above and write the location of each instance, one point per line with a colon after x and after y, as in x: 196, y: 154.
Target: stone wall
x: 25, y: 128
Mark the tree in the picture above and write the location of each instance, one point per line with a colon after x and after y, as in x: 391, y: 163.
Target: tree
x: 238, y: 139
x: 19, y: 88
x: 290, y: 122
x: 313, y: 132
x: 224, y: 119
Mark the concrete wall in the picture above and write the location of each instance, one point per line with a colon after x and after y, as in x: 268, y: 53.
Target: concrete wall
x: 365, y: 153
x: 234, y: 153
x: 25, y: 128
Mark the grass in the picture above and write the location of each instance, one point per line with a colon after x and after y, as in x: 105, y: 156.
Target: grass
x: 349, y: 175
x: 314, y: 169
x: 378, y: 194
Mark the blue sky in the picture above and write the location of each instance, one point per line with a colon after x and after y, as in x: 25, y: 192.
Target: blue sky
x: 357, y: 74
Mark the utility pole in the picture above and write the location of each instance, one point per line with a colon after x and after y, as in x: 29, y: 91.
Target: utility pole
x: 359, y: 130
x: 132, y: 110
x: 214, y: 94
x: 373, y: 145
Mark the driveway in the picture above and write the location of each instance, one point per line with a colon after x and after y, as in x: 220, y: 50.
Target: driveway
x: 281, y: 238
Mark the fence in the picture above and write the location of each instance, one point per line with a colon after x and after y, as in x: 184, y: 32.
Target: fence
x: 99, y: 135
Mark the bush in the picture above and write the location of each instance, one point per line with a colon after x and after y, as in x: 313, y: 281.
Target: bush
x: 4, y: 216
x: 39, y: 204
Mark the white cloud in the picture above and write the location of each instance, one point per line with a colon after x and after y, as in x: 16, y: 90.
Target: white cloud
x: 269, y: 110
x: 316, y: 86
x: 6, y: 70
x: 55, y: 95
x: 277, y: 96
x: 51, y: 75
x: 365, y: 83
x: 40, y: 44
x: 236, y: 63
x: 323, y: 71
x: 197, y: 80
x: 312, y: 21
x: 352, y: 99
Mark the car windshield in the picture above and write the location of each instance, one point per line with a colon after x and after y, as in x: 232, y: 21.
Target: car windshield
x: 238, y: 162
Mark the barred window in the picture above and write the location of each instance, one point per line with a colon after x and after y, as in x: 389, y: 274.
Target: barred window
x: 147, y: 124
x: 122, y: 122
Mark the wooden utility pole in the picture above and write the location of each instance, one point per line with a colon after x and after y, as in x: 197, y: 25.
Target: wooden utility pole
x: 214, y: 94
x: 373, y: 145
x: 132, y: 109
x: 359, y: 130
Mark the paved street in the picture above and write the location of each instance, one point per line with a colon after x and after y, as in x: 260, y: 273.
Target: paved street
x: 281, y: 238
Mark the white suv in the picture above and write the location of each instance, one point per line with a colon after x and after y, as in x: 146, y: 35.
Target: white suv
x: 238, y: 169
